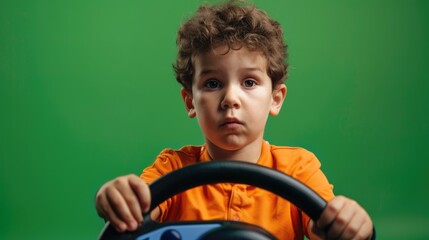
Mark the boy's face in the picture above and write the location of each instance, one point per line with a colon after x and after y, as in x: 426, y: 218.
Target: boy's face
x: 232, y: 96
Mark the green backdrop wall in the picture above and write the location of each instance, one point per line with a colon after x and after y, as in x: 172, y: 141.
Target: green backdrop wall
x: 87, y: 93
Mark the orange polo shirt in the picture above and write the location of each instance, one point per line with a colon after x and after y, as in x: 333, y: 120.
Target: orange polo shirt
x: 240, y: 202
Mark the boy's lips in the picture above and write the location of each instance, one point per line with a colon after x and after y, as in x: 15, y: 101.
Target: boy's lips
x: 231, y: 122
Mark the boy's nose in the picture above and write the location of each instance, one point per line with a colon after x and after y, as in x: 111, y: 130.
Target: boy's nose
x: 230, y: 99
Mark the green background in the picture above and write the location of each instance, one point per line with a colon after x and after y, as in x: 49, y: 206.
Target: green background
x: 87, y: 93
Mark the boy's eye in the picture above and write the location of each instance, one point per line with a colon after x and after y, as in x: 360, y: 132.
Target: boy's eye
x: 249, y: 83
x: 212, y: 83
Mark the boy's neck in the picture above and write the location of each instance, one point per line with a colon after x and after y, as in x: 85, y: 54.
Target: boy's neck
x: 249, y: 153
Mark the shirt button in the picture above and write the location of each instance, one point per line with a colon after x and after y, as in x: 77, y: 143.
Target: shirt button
x: 236, y: 218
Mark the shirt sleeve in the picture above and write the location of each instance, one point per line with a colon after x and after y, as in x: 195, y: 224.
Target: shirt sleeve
x: 309, y: 173
x: 163, y: 164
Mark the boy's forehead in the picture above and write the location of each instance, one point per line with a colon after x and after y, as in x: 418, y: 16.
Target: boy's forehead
x: 229, y: 59
x: 215, y: 56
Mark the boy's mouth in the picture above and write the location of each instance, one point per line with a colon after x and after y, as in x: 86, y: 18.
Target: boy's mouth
x: 231, y: 122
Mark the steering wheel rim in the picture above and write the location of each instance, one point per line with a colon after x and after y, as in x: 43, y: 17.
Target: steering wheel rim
x: 231, y: 171
x: 222, y: 171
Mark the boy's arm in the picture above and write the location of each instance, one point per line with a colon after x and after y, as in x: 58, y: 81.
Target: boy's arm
x: 343, y: 218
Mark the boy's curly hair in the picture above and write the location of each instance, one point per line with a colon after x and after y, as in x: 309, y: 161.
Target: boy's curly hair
x: 235, y: 24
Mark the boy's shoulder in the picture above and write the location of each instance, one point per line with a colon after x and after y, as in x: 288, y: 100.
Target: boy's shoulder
x: 169, y: 160
x: 289, y: 151
x: 184, y: 150
x: 184, y: 156
x: 294, y: 161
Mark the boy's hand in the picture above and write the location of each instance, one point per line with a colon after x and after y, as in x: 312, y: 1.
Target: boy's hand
x: 122, y: 201
x: 343, y: 218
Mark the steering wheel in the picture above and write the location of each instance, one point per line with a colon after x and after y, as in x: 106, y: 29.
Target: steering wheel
x: 218, y: 171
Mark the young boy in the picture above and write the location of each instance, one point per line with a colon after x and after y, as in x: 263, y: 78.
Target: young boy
x: 231, y: 64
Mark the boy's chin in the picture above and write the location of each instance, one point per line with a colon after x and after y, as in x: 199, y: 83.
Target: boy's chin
x: 233, y: 143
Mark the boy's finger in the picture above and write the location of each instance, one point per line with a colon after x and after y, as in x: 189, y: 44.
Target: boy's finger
x: 360, y: 227
x: 365, y: 231
x: 141, y: 189
x: 351, y: 231
x: 330, y: 213
x: 344, y: 217
x: 131, y: 198
x: 319, y: 234
x: 120, y: 208
x: 133, y: 204
x: 109, y: 214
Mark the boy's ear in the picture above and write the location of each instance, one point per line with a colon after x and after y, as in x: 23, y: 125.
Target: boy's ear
x: 279, y: 95
x: 188, y: 100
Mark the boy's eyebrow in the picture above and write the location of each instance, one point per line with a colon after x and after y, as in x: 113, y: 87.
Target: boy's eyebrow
x: 208, y: 71
x: 253, y: 69
x: 258, y: 69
